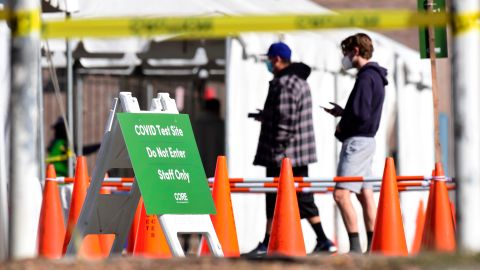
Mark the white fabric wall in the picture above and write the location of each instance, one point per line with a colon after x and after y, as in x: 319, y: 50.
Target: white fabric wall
x: 416, y: 149
x: 247, y: 84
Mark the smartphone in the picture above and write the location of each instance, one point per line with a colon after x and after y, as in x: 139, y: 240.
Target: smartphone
x: 255, y: 115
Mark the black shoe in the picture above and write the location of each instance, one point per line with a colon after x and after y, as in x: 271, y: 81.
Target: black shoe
x: 259, y: 252
x: 325, y: 246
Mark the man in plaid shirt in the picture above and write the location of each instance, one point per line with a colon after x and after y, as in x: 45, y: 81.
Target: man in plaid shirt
x: 287, y: 131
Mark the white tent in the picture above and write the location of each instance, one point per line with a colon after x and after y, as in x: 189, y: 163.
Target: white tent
x: 246, y: 81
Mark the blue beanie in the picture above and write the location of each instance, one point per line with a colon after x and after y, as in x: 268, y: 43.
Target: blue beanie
x: 280, y: 49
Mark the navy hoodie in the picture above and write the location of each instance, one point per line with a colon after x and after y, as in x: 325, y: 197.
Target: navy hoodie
x: 361, y: 116
x: 299, y: 69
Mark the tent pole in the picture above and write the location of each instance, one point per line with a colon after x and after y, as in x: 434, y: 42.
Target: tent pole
x: 466, y: 100
x: 70, y: 99
x: 79, y: 115
x: 41, y: 126
x: 24, y: 176
x: 228, y: 98
x: 149, y: 93
x: 338, y: 220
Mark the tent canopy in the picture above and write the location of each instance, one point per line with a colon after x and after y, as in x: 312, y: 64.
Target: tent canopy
x: 125, y: 53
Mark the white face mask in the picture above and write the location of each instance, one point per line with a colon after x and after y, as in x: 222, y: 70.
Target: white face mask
x: 346, y: 63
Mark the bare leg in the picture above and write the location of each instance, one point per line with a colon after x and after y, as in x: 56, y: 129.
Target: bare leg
x: 344, y: 202
x: 314, y: 220
x: 342, y: 198
x: 269, y: 225
x: 369, y: 209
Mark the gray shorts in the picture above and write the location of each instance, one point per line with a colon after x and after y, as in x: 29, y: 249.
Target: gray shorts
x: 356, y: 159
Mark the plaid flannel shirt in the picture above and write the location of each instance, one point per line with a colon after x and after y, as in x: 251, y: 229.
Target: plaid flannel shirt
x: 287, y: 124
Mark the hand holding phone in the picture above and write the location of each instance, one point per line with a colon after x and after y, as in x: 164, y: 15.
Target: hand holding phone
x: 256, y: 116
x: 335, y: 111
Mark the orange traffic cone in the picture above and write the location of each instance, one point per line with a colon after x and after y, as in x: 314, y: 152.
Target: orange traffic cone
x: 106, y: 240
x: 417, y: 241
x: 90, y: 247
x: 286, y: 237
x: 454, y: 215
x: 134, y: 227
x: 51, y: 229
x: 150, y: 241
x: 223, y: 221
x: 439, y: 231
x: 389, y: 235
x: 428, y: 212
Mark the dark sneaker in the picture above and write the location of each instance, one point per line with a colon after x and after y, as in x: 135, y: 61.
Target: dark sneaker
x: 326, y: 246
x: 258, y: 252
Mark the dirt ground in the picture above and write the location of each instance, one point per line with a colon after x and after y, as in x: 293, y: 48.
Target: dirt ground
x: 344, y: 262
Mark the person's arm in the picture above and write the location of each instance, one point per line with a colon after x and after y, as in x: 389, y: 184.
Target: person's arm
x: 91, y: 148
x: 287, y: 115
x: 336, y: 111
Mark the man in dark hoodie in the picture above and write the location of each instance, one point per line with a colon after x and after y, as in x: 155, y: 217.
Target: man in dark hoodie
x: 287, y: 131
x: 356, y: 130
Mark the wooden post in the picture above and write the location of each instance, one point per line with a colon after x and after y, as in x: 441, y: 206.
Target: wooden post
x: 433, y: 63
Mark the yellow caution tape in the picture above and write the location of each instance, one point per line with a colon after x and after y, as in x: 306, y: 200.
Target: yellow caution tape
x: 27, y: 22
x: 465, y: 22
x: 4, y: 15
x: 59, y: 157
x: 221, y: 26
x: 24, y: 22
x: 210, y: 27
x: 56, y: 159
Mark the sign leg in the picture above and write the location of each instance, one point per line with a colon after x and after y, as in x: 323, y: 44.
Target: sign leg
x: 124, y: 226
x: 174, y: 224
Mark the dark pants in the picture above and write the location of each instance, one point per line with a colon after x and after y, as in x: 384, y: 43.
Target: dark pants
x: 306, y: 204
